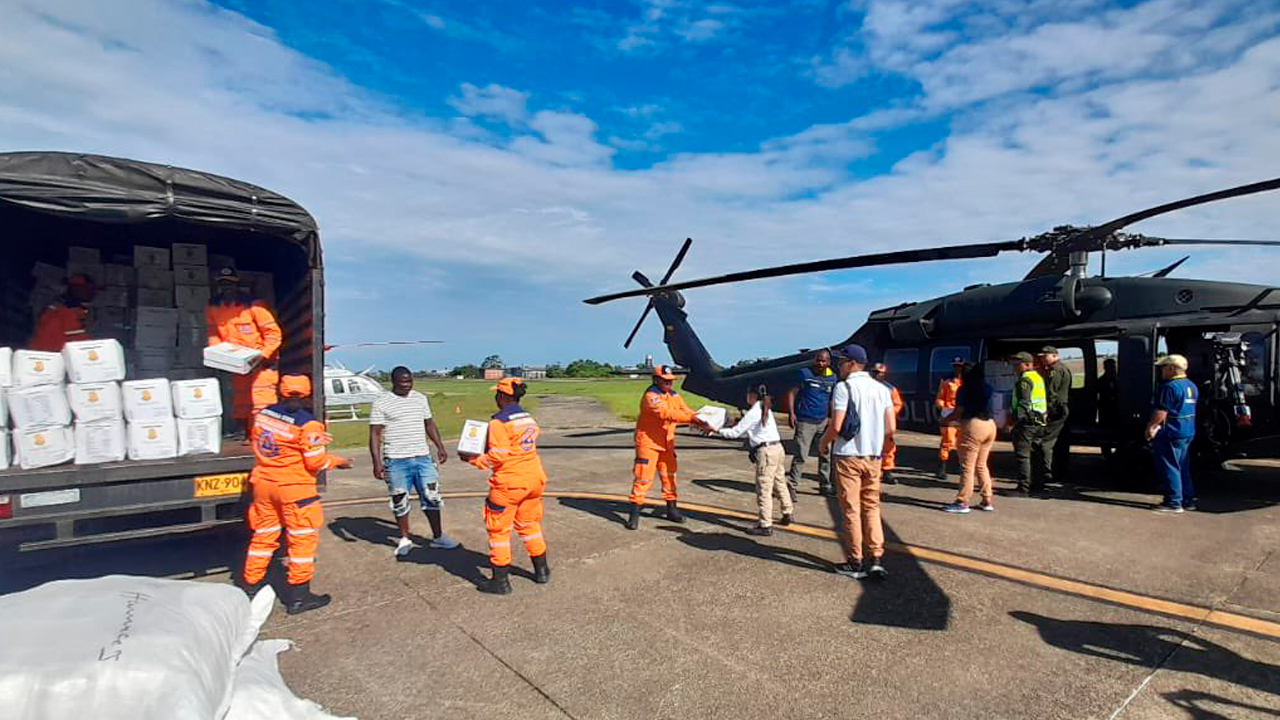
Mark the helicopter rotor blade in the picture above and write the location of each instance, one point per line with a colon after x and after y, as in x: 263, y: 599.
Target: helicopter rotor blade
x: 640, y: 278
x: 684, y: 250
x: 383, y: 343
x: 952, y: 252
x: 1199, y: 241
x: 1100, y: 232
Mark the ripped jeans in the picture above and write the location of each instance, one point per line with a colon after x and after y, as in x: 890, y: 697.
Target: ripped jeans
x: 413, y: 473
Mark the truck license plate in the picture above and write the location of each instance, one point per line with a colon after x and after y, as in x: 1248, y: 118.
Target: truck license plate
x: 212, y: 485
x: 52, y: 497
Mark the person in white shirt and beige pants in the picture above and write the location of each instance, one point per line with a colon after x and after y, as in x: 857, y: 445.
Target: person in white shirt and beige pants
x: 761, y: 430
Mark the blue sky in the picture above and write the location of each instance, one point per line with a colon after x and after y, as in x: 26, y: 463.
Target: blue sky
x: 477, y: 169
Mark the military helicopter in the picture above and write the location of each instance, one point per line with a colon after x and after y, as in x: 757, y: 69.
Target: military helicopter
x: 1227, y: 331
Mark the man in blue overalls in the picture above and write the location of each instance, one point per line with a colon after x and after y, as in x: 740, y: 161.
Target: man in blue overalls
x: 1170, y: 430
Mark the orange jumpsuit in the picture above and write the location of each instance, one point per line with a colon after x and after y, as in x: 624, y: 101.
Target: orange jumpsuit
x: 59, y: 324
x: 888, y: 460
x: 252, y: 325
x: 516, y: 485
x: 290, y: 451
x: 949, y: 428
x: 660, y: 413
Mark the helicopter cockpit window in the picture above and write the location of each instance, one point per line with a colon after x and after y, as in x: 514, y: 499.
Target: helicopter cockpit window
x: 903, y: 365
x: 940, y: 363
x: 353, y: 386
x: 337, y: 386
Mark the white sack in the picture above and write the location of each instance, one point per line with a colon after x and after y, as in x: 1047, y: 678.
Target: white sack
x: 200, y: 436
x: 94, y: 402
x: 42, y: 447
x: 197, y: 399
x: 4, y: 449
x: 231, y: 357
x: 31, y: 367
x: 153, y: 439
x: 90, y: 361
x: 122, y: 648
x: 100, y: 442
x: 147, y: 399
x: 6, y: 367
x: 260, y: 693
x: 39, y: 406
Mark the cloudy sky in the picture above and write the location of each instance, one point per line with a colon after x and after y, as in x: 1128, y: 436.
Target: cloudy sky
x: 479, y: 168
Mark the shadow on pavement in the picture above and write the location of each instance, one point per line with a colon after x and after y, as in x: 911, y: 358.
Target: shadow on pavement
x: 1199, y: 705
x: 742, y: 545
x: 460, y: 562
x: 1151, y: 646
x: 722, y: 485
x: 599, y: 433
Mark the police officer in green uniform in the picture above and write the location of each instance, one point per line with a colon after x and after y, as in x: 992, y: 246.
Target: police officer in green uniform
x: 1057, y: 442
x: 1030, y: 410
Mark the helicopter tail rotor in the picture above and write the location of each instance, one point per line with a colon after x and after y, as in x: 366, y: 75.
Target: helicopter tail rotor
x: 640, y: 278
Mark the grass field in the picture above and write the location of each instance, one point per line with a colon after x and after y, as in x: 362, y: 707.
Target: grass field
x: 453, y: 401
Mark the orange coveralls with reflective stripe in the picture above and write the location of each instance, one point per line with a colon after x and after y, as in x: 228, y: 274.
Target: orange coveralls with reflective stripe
x: 290, y: 452
x: 949, y: 428
x: 516, y: 485
x: 250, y: 325
x: 660, y: 413
x: 889, y: 460
x: 58, y: 325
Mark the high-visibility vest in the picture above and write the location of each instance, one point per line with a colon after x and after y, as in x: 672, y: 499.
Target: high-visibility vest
x: 1039, y: 401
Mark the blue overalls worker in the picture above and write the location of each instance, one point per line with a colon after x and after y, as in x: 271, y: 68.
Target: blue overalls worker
x: 1170, y: 430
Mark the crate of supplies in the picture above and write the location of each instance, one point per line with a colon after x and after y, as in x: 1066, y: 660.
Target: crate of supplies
x: 712, y: 415
x: 197, y: 399
x: 100, y: 442
x: 95, y: 402
x: 90, y: 361
x: 474, y: 435
x: 199, y: 436
x: 32, y: 367
x: 155, y: 279
x: 148, y: 297
x: 6, y: 367
x: 146, y: 400
x: 39, y: 406
x: 191, y: 275
x: 191, y: 297
x: 231, y: 358
x: 44, y: 446
x: 111, y: 296
x: 4, y: 449
x: 151, y: 257
x: 190, y: 254
x: 122, y: 275
x: 153, y: 439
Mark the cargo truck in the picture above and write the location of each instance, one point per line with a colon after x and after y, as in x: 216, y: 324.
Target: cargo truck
x: 51, y: 202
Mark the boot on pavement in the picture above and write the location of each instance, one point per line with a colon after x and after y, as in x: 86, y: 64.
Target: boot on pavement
x: 541, y: 571
x: 673, y: 512
x: 942, y: 471
x: 300, y: 599
x: 633, y: 520
x: 499, y: 584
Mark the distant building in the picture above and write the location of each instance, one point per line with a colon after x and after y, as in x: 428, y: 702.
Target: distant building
x: 528, y: 373
x: 493, y: 374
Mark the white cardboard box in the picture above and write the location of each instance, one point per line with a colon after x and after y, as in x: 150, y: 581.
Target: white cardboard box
x: 83, y: 255
x: 43, y: 447
x: 100, y: 442
x: 191, y: 297
x: 148, y: 297
x: 153, y: 439
x: 199, y: 436
x: 6, y: 367
x: 150, y: 257
x: 32, y: 367
x: 155, y: 316
x: 4, y: 409
x: 122, y: 275
x: 91, y: 361
x: 95, y: 402
x: 39, y: 406
x: 197, y: 399
x: 155, y: 278
x: 712, y: 415
x: 155, y: 336
x: 191, y: 317
x: 190, y: 275
x: 113, y: 296
x: 147, y: 400
x: 152, y: 362
x: 4, y: 449
x: 190, y: 254
x: 231, y: 358
x: 474, y: 435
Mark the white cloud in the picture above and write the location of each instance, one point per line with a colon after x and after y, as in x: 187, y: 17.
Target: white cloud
x: 493, y: 101
x: 663, y: 21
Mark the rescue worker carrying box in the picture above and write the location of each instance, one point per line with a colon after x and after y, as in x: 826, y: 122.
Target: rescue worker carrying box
x: 661, y: 411
x: 233, y: 316
x: 515, y: 487
x: 65, y: 321
x: 948, y: 421
x: 289, y: 448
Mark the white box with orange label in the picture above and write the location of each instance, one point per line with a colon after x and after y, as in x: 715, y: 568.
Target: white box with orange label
x: 32, y: 367
x: 95, y: 402
x: 43, y: 447
x: 4, y: 449
x: 199, y: 436
x: 153, y: 439
x: 100, y: 442
x: 474, y: 435
x: 231, y: 357
x: 6, y: 367
x: 196, y: 399
x: 94, y: 361
x: 146, y: 400
x: 39, y: 406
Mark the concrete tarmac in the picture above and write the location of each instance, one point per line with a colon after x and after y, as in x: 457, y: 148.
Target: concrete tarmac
x: 703, y: 621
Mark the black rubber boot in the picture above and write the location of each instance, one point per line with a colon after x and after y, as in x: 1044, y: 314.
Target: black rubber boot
x: 301, y: 599
x: 786, y: 520
x: 888, y: 478
x: 250, y: 590
x: 541, y: 571
x: 499, y: 584
x: 633, y: 520
x: 673, y: 512
x: 942, y: 471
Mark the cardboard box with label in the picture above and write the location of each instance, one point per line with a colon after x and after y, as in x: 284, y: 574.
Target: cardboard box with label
x: 100, y: 442
x: 111, y: 296
x: 4, y: 449
x: 155, y: 279
x: 199, y: 436
x: 231, y: 357
x: 191, y: 297
x: 95, y: 402
x: 4, y: 408
x: 109, y: 315
x: 122, y: 275
x: 191, y: 275
x: 155, y: 298
x: 712, y: 415
x: 146, y: 400
x: 151, y: 257
x: 147, y: 363
x: 39, y: 406
x: 44, y: 447
x: 32, y: 367
x: 190, y: 254
x: 197, y: 399
x: 474, y: 435
x: 155, y: 336
x: 153, y: 439
x: 93, y: 361
x: 6, y: 367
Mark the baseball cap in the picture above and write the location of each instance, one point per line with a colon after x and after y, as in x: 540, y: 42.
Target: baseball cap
x: 507, y: 386
x: 664, y: 372
x: 80, y: 280
x: 1048, y: 350
x: 853, y: 352
x: 295, y: 386
x: 1177, y: 361
x: 1022, y: 357
x: 227, y: 274
x: 957, y: 360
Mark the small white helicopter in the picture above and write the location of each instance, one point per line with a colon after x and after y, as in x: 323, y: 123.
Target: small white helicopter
x: 344, y: 389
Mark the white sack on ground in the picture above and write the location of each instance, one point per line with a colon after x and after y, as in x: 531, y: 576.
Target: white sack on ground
x: 260, y: 693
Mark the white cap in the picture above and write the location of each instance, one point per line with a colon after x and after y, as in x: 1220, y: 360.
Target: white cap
x: 1177, y: 361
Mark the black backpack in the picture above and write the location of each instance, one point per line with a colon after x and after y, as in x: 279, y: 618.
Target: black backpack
x: 852, y: 421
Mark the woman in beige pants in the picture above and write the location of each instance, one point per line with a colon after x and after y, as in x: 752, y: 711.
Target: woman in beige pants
x: 761, y: 430
x: 977, y: 437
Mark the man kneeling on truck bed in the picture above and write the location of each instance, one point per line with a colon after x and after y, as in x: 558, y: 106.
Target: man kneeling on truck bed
x: 233, y: 316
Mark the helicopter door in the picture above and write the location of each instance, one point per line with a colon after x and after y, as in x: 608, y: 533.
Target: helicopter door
x: 1137, y: 380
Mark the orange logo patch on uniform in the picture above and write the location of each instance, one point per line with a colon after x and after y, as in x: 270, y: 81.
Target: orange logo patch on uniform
x: 93, y: 354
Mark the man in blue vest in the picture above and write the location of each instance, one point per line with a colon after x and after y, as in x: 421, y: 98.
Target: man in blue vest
x: 807, y: 407
x: 1170, y: 430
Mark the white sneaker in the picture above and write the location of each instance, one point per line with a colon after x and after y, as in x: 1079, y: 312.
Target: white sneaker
x: 404, y: 547
x: 444, y: 542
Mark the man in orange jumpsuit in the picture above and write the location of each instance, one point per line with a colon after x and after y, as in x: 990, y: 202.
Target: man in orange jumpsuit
x: 515, y: 487
x: 948, y: 421
x: 289, y: 446
x: 235, y: 317
x: 65, y: 321
x: 661, y: 410
x: 888, y: 463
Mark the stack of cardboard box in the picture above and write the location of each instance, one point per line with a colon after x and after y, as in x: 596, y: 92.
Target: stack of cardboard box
x: 41, y: 416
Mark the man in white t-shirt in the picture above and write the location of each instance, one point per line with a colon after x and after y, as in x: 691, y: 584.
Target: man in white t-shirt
x: 399, y: 425
x: 856, y: 460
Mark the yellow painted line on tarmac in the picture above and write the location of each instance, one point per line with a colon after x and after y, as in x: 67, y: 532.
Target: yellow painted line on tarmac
x: 1054, y: 583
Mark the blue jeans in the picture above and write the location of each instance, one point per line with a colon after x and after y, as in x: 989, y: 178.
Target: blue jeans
x: 415, y: 473
x: 1173, y: 464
